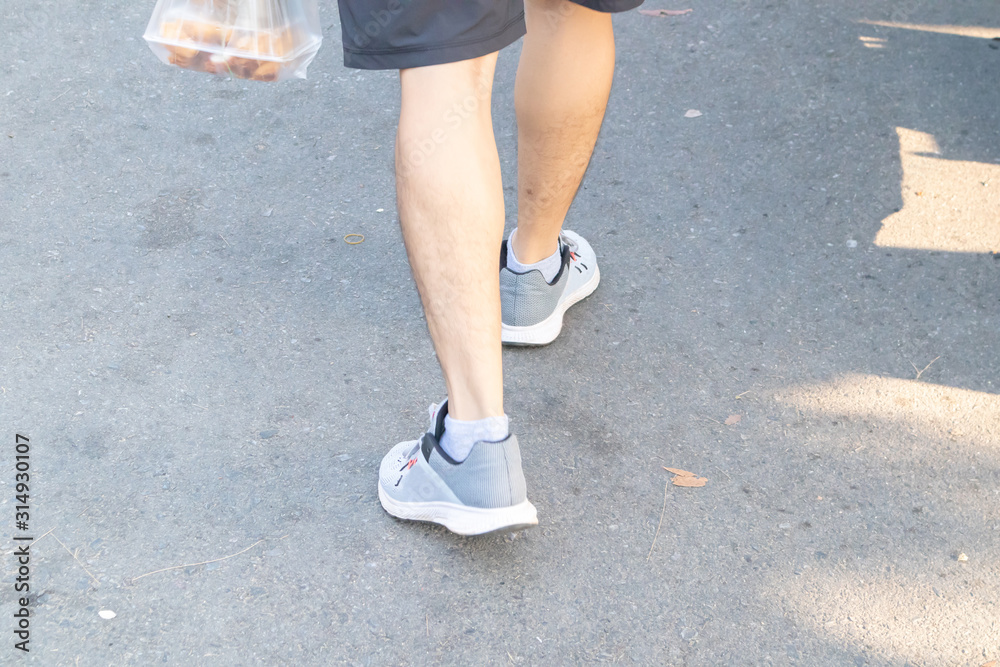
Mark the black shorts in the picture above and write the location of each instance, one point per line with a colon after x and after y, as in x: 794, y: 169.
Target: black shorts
x: 397, y: 34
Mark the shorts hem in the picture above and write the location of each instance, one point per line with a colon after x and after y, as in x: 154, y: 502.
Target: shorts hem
x: 424, y: 56
x: 609, y: 6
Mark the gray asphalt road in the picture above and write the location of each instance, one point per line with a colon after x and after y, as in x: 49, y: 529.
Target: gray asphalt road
x: 205, y: 368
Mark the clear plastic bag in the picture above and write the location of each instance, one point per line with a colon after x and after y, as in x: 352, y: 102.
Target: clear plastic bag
x: 265, y: 40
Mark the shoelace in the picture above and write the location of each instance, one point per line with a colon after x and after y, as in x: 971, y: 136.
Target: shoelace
x: 568, y: 242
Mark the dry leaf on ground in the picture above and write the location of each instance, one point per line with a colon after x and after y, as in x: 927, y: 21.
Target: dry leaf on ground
x: 685, y: 478
x: 665, y: 12
x: 991, y: 663
x: 733, y: 419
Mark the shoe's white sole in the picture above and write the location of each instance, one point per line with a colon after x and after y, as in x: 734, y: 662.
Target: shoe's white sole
x: 548, y: 329
x: 460, y: 519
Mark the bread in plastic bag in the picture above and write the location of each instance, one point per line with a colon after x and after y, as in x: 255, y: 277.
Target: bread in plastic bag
x: 265, y: 40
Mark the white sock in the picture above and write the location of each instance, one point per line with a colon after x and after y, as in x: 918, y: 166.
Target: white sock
x: 459, y: 436
x: 549, y: 266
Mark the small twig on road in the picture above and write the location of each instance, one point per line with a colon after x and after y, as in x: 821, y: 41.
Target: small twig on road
x: 650, y: 554
x: 74, y: 557
x: 921, y: 370
x: 204, y: 562
x: 49, y: 531
x: 665, y: 12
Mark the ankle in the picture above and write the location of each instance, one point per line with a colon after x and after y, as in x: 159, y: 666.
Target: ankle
x: 549, y: 266
x: 529, y: 249
x: 461, y: 436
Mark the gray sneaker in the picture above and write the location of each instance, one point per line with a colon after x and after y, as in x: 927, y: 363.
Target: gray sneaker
x: 531, y: 308
x: 484, y: 493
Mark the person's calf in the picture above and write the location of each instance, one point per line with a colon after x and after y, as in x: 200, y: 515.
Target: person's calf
x: 450, y: 201
x: 563, y: 83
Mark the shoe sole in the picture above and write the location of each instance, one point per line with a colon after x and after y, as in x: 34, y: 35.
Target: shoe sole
x: 548, y: 329
x: 461, y: 519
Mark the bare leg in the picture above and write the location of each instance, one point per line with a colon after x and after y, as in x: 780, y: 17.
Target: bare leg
x: 450, y: 200
x: 562, y: 88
